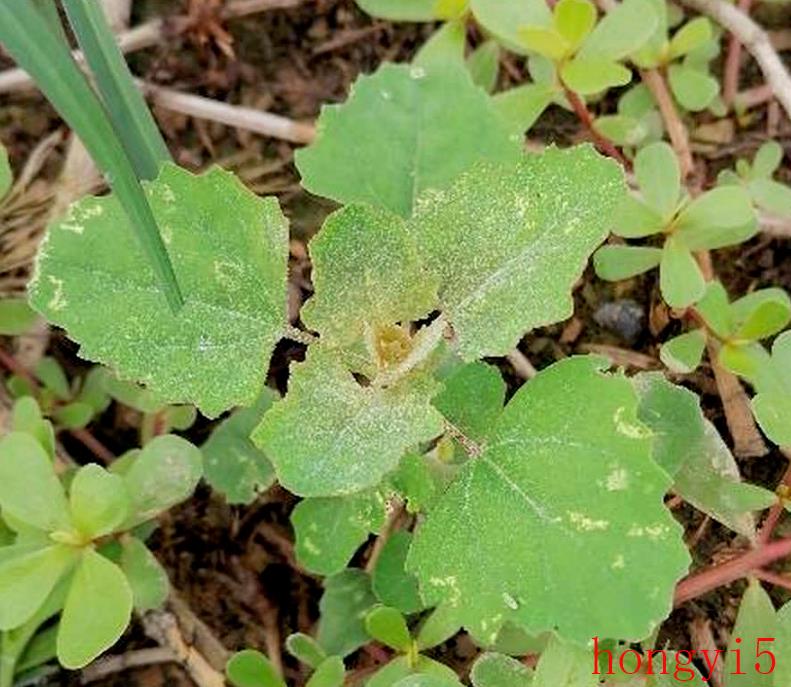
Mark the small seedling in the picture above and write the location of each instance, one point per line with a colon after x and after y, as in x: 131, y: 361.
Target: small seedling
x: 715, y: 219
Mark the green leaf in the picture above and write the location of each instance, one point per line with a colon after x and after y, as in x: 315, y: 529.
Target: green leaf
x: 331, y: 673
x: 97, y: 611
x: 521, y: 107
x: 16, y: 316
x: 564, y: 665
x: 146, y: 576
x: 580, y: 481
x: 509, y: 242
x: 305, y: 649
x: 683, y: 353
x: 133, y: 395
x: 772, y: 404
x: 27, y: 34
x: 715, y: 310
x: 27, y: 576
x: 442, y: 624
x: 164, y: 474
x: 132, y: 121
x: 415, y: 482
x: 329, y: 530
x: 472, y: 398
x: 392, y: 584
x: 447, y: 44
x: 425, y: 680
x: 99, y: 501
x: 6, y: 175
x: 40, y: 650
x: 27, y: 418
x: 718, y: 218
x: 657, y: 171
x: 756, y: 619
x: 690, y: 37
x: 29, y: 489
x: 232, y: 462
x: 590, y: 75
x: 330, y: 436
x: 771, y: 196
x: 250, y: 668
x: 424, y: 672
x: 574, y: 20
x: 545, y: 41
x: 693, y: 88
x: 767, y: 159
x: 499, y: 670
x: 622, y: 130
x: 229, y: 250
x: 634, y: 219
x: 484, y: 65
x: 52, y: 376
x: 746, y: 359
x: 367, y: 273
x: 404, y: 130
x: 343, y: 607
x: 680, y: 278
x: 504, y: 19
x: 690, y: 449
x: 614, y: 263
x: 761, y: 314
x: 73, y: 415
x: 621, y: 31
x: 388, y: 625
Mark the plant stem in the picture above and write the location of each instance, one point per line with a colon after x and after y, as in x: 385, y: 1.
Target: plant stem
x: 733, y: 62
x: 656, y: 83
x: 719, y: 575
x: 603, y: 144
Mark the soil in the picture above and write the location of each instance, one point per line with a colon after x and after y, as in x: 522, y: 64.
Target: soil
x: 235, y: 566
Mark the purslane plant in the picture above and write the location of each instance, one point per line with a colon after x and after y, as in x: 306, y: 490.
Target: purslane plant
x: 74, y: 550
x: 723, y: 216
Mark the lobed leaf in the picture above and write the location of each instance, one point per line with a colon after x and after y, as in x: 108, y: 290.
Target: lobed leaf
x: 343, y: 607
x: 690, y: 37
x: 680, y: 278
x: 330, y: 436
x: 329, y: 530
x: 767, y: 159
x: 659, y: 176
x: 509, y: 242
x: 499, y: 670
x: 367, y: 273
x: 693, y: 88
x: 403, y: 130
x: 331, y: 673
x: 761, y: 314
x: 229, y: 251
x: 771, y: 196
x: 233, y: 464
x: 388, y: 626
x: 579, y: 480
x: 146, y: 576
x: 720, y: 217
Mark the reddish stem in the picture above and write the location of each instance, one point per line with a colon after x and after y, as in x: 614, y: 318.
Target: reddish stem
x: 604, y: 145
x: 87, y: 439
x: 773, y: 517
x: 773, y: 578
x: 725, y: 573
x: 733, y: 62
x: 655, y: 81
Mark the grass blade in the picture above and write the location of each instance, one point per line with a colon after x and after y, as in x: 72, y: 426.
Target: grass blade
x: 129, y: 114
x: 29, y: 38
